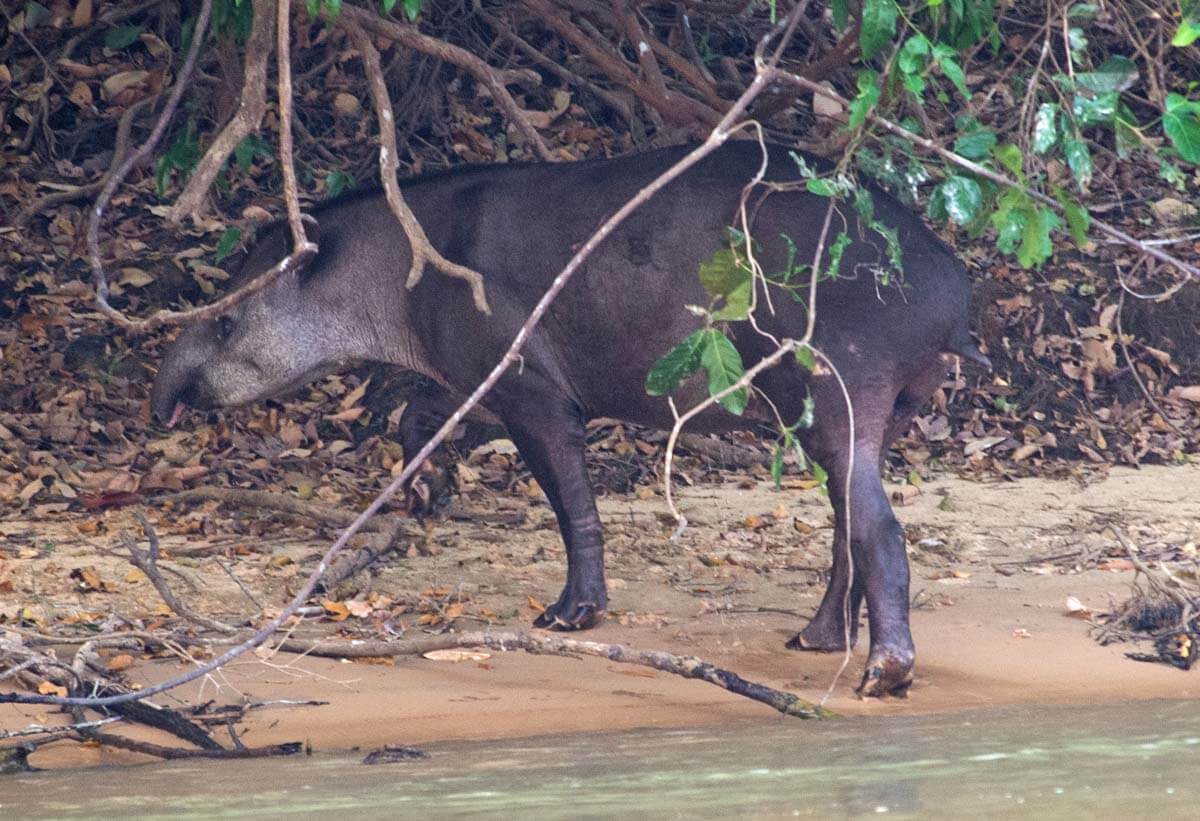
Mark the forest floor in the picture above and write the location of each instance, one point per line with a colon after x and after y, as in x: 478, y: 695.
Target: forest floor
x: 994, y: 565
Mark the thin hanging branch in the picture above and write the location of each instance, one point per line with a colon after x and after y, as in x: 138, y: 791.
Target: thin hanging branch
x: 422, y: 249
x: 99, y: 281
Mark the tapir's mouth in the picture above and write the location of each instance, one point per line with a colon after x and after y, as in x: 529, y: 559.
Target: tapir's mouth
x: 177, y: 414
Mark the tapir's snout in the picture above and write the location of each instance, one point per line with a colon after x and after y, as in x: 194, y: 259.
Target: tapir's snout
x: 180, y: 380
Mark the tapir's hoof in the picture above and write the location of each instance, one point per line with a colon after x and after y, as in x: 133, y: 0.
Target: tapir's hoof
x: 573, y: 617
x: 820, y: 641
x: 888, y: 673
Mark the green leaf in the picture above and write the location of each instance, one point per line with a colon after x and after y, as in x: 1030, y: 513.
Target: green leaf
x: 1079, y: 158
x: 121, y: 36
x: 821, y: 187
x: 724, y: 366
x: 1078, y: 220
x: 944, y: 55
x: 678, y: 364
x: 334, y: 8
x: 865, y: 100
x: 913, y: 54
x: 963, y: 198
x: 1117, y: 74
x: 975, y: 146
x: 338, y: 181
x: 412, y: 9
x: 821, y: 475
x: 227, y: 243
x: 1187, y: 34
x: 737, y: 303
x: 1045, y: 127
x: 836, y: 249
x: 1036, y: 246
x: 313, y: 7
x: 777, y: 466
x: 878, y: 26
x: 806, y: 358
x: 1009, y: 156
x: 1097, y: 110
x: 1181, y: 122
x: 386, y: 6
x: 723, y: 273
x: 1083, y: 11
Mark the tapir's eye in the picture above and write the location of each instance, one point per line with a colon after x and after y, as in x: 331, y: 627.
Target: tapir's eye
x: 224, y: 327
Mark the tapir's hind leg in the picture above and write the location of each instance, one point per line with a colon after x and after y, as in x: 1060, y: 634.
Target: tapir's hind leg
x: 877, y: 540
x: 549, y: 433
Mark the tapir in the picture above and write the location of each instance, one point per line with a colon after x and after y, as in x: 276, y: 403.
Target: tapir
x: 888, y: 340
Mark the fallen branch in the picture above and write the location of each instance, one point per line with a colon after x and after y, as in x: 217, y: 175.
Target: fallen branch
x: 147, y: 562
x: 686, y: 666
x: 421, y: 248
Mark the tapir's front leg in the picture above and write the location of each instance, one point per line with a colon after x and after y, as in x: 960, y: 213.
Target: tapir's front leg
x: 549, y: 433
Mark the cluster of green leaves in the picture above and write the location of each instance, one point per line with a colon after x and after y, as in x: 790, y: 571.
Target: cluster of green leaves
x: 412, y: 8
x: 935, y: 32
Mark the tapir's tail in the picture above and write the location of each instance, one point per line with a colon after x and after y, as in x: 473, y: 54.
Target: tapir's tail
x: 962, y: 345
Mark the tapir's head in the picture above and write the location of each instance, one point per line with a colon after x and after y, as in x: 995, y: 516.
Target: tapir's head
x: 298, y: 328
x: 265, y: 346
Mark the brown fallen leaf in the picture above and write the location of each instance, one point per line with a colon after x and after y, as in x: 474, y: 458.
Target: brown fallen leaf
x: 118, y: 663
x: 337, y: 610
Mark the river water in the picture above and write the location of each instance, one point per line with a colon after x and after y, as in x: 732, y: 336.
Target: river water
x: 1127, y: 761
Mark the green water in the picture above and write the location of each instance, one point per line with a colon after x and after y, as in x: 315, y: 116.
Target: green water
x: 1129, y: 761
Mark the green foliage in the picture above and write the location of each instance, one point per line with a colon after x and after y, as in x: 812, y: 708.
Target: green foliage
x: 962, y: 197
x: 232, y: 18
x: 878, y: 26
x: 1181, y: 122
x: 250, y: 149
x: 675, y: 366
x: 122, y: 36
x: 181, y: 157
x: 337, y: 181
x: 227, y: 243
x: 724, y: 366
x: 1189, y: 24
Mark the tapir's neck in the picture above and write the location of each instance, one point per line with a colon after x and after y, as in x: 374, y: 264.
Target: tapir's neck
x: 363, y: 318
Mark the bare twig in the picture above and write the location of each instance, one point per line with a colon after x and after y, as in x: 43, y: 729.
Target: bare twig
x: 283, y: 64
x: 421, y: 248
